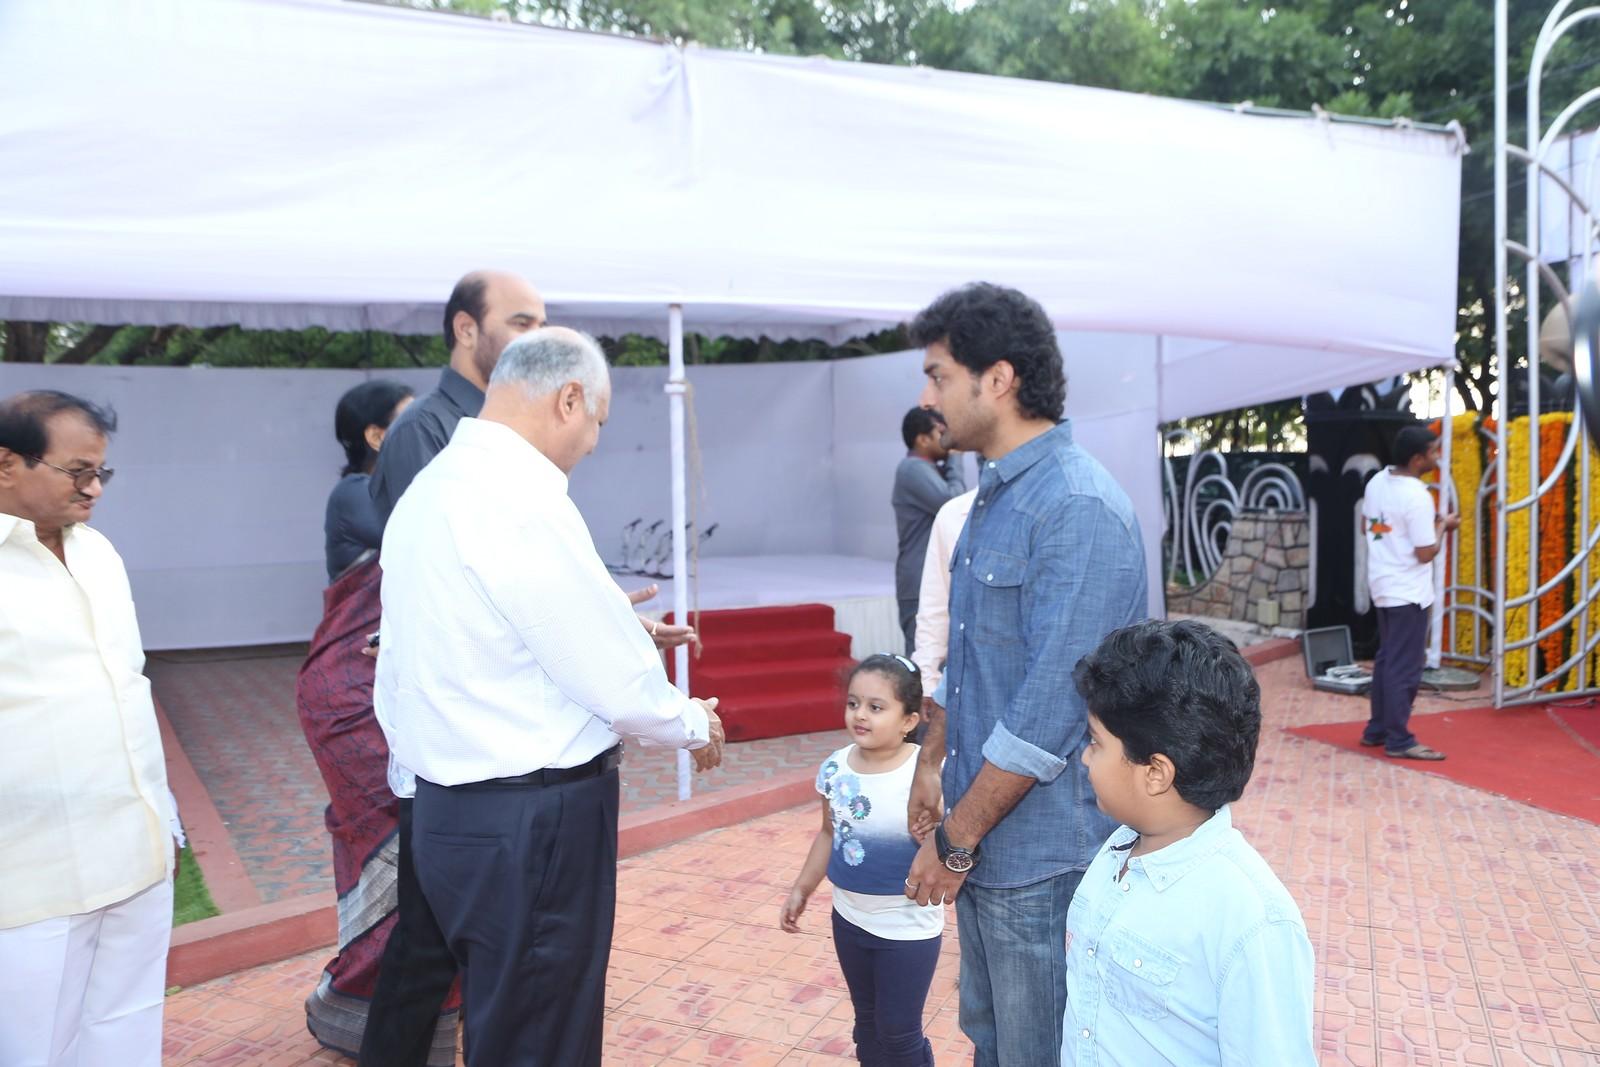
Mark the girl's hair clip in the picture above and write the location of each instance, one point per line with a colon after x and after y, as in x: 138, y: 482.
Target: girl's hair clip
x: 902, y: 660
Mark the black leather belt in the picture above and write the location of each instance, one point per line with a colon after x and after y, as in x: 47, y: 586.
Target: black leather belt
x: 604, y: 763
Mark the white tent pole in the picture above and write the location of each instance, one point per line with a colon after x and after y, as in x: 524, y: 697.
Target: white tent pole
x: 677, y: 387
x: 1448, y: 492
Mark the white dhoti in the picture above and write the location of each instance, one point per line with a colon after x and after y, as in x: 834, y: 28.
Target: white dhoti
x: 86, y: 990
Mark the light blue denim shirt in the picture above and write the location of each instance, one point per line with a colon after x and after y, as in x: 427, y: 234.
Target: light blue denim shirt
x: 1049, y: 563
x: 1198, y: 956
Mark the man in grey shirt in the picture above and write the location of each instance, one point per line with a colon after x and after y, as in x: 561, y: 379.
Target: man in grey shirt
x: 925, y: 479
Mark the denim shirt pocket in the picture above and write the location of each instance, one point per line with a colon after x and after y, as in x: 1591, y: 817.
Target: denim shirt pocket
x: 998, y: 595
x: 1140, y: 976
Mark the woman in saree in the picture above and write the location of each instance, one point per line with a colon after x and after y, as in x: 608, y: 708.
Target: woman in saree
x: 334, y: 695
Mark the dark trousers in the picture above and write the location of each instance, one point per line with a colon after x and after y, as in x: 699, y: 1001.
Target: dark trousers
x: 1397, y: 674
x: 908, y: 623
x: 888, y: 983
x: 415, y: 976
x: 523, y: 880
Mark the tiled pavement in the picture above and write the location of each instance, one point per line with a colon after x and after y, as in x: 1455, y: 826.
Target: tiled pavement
x: 233, y: 710
x: 1450, y: 927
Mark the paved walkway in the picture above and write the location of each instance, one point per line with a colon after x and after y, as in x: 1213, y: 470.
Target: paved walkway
x: 1450, y: 926
x: 233, y: 710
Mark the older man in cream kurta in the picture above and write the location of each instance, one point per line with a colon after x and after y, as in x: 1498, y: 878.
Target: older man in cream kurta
x: 86, y: 853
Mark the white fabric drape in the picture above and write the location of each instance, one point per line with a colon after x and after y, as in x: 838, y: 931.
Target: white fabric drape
x: 292, y: 162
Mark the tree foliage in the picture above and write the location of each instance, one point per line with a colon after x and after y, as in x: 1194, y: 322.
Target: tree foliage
x: 1429, y: 60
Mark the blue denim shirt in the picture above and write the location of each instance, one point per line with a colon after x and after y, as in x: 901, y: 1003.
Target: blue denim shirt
x: 1198, y: 956
x: 1049, y: 563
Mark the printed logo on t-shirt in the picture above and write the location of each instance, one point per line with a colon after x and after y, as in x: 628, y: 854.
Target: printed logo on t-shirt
x: 872, y: 848
x: 1377, y: 527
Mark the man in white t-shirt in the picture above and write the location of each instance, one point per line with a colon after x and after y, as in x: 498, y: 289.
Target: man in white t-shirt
x: 1402, y: 532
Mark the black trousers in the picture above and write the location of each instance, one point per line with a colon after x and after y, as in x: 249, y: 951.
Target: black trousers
x: 908, y: 623
x: 1397, y: 675
x: 523, y: 880
x: 415, y: 976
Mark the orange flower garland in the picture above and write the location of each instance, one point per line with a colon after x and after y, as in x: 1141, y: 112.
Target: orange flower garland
x: 1553, y: 541
x: 1554, y: 508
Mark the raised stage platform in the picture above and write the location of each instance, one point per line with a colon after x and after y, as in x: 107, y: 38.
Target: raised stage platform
x: 860, y: 591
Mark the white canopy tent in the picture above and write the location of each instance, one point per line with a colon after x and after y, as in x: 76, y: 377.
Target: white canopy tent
x: 287, y: 163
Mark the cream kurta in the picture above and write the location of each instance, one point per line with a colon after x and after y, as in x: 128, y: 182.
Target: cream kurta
x: 84, y: 806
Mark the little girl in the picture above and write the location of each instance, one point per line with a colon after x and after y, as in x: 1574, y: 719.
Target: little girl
x: 888, y: 946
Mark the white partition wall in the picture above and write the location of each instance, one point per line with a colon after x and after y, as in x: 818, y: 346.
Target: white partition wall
x: 222, y: 475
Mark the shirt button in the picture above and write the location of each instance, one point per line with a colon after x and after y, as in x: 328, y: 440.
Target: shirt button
x: 1091, y: 953
x: 958, y: 690
x: 963, y: 626
x: 967, y: 562
x: 1085, y: 1031
x: 989, y: 578
x: 991, y: 467
x: 1138, y: 963
x: 980, y: 502
x: 1126, y: 885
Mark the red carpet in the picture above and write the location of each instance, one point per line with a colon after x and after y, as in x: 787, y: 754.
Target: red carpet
x: 778, y: 671
x: 1522, y: 753
x: 1582, y: 720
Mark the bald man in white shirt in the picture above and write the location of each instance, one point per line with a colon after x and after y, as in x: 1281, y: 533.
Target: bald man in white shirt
x: 512, y: 666
x: 86, y: 844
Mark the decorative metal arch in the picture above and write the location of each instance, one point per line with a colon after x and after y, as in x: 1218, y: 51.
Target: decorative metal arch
x: 1521, y: 673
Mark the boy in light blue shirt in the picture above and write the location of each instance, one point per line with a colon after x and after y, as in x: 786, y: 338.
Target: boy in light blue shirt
x: 1182, y: 946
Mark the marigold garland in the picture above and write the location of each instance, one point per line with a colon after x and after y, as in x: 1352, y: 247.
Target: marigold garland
x: 1463, y: 568
x: 1582, y: 530
x: 1554, y: 537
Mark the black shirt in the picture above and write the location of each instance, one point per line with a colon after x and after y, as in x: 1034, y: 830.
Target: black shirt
x: 419, y: 434
x: 351, y: 525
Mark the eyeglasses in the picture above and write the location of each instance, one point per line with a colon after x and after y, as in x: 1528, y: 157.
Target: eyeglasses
x: 81, y: 479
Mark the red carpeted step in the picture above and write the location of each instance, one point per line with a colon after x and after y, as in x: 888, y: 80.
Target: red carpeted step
x: 743, y: 622
x: 767, y: 647
x: 770, y: 677
x: 804, y: 712
x: 777, y: 671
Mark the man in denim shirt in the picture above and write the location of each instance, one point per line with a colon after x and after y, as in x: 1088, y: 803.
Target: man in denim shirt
x: 1050, y: 562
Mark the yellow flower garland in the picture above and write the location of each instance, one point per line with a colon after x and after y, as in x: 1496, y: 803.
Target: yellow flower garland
x: 1582, y: 529
x: 1466, y: 470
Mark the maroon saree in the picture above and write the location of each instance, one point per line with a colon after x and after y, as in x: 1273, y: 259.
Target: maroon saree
x: 334, y: 697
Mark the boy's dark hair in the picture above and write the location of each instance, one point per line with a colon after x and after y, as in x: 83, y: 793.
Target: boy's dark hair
x: 901, y: 672
x: 1411, y: 442
x: 1181, y: 689
x: 917, y: 422
x: 982, y: 324
x: 23, y: 418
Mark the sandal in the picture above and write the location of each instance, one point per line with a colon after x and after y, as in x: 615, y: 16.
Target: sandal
x: 1417, y: 752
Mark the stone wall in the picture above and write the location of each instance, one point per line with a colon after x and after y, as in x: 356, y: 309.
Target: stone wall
x: 1267, y: 558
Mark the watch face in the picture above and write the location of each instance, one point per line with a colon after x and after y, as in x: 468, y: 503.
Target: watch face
x: 960, y: 862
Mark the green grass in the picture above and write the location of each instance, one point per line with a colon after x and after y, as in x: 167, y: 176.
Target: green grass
x: 191, y: 900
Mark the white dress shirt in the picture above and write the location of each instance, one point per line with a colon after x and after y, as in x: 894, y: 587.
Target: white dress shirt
x: 933, y: 602
x: 507, y: 646
x: 84, y: 806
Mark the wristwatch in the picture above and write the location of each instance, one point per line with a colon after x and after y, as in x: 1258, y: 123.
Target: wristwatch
x: 959, y: 860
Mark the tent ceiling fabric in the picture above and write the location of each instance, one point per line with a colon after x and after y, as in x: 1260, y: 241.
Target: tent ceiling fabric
x: 283, y: 163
